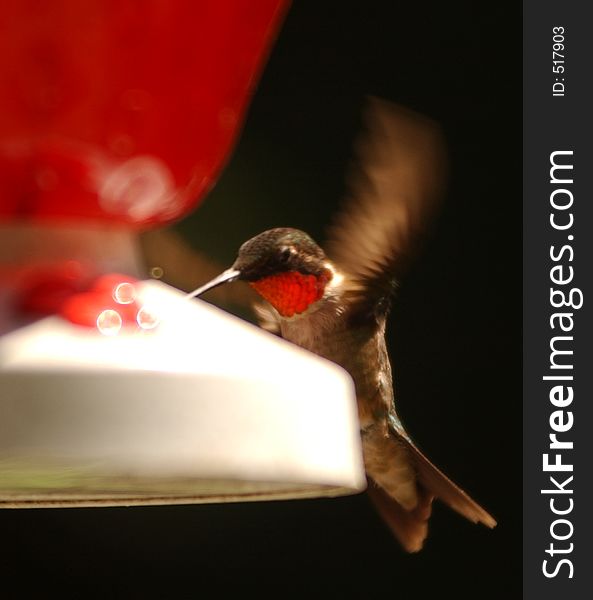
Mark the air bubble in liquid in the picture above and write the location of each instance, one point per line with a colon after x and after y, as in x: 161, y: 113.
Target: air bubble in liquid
x: 147, y: 318
x: 124, y: 293
x: 109, y: 322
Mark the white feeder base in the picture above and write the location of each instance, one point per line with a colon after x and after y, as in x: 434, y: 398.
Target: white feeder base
x: 203, y: 408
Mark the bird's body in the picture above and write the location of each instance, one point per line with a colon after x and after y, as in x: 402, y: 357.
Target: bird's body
x: 342, y: 327
x: 336, y: 305
x: 332, y: 330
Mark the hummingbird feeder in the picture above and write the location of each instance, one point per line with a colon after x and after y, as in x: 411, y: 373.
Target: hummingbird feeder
x: 115, y: 118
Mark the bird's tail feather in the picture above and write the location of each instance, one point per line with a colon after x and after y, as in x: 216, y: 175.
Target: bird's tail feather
x: 409, y: 527
x: 437, y: 483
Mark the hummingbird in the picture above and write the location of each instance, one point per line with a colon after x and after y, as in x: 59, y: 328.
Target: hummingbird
x: 335, y: 302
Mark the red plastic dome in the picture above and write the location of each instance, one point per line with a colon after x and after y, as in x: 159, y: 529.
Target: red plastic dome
x: 123, y: 111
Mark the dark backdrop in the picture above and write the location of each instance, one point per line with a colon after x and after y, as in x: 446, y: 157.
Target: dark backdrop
x: 454, y: 335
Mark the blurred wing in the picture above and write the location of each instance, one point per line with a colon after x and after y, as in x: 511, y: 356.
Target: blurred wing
x: 185, y: 268
x: 267, y: 318
x: 393, y: 191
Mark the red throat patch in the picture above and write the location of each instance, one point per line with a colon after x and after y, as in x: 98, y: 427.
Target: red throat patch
x: 292, y: 292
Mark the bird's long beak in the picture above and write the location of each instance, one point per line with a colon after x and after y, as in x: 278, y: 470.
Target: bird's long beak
x: 225, y: 277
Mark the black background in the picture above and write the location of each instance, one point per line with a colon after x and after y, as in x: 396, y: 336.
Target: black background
x: 454, y: 334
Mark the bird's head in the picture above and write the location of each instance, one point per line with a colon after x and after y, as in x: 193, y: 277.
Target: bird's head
x: 284, y: 266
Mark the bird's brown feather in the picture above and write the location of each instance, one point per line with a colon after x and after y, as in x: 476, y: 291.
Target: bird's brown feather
x: 433, y: 479
x: 394, y: 188
x: 410, y: 527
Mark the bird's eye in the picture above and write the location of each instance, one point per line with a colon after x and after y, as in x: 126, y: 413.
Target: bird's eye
x: 285, y: 254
